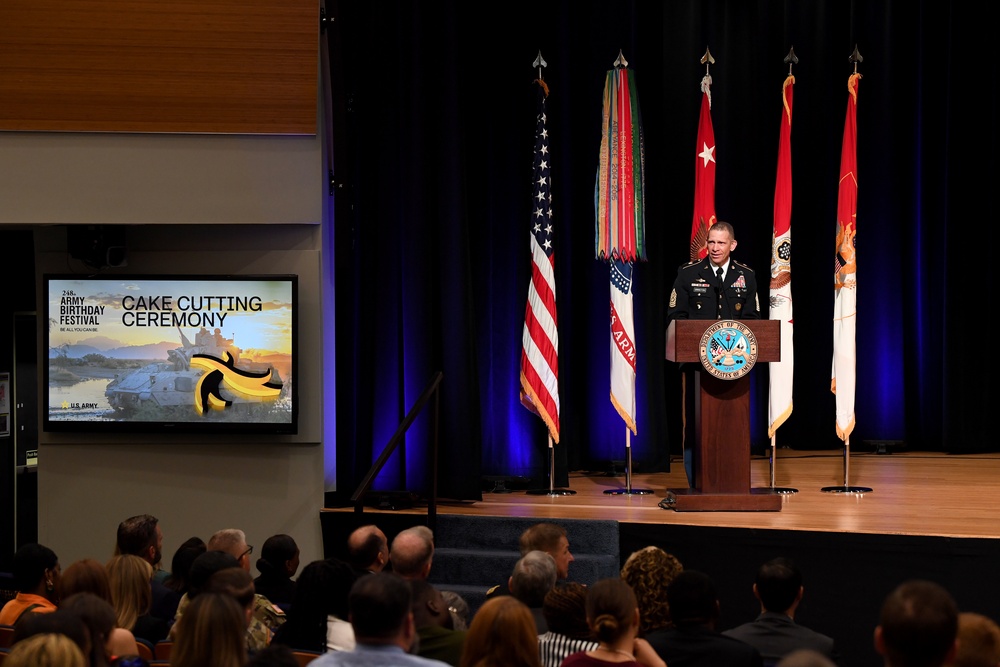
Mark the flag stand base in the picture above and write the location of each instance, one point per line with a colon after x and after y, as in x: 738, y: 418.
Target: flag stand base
x: 847, y: 488
x: 628, y: 490
x: 551, y: 491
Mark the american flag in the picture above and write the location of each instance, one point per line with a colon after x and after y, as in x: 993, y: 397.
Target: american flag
x: 540, y: 339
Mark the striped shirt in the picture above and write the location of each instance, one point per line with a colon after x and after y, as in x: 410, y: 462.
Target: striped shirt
x: 553, y: 647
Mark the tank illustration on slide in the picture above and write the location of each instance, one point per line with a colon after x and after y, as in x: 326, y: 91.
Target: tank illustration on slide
x: 207, y: 375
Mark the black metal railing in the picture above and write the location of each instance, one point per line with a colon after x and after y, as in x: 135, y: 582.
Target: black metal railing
x: 433, y: 389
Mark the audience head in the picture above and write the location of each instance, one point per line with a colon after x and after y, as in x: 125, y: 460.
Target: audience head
x: 550, y: 538
x: 778, y: 585
x: 131, y: 594
x: 236, y: 583
x: 234, y: 542
x: 85, y: 576
x: 412, y: 552
x: 428, y: 605
x: 612, y: 610
x: 141, y: 536
x: 204, y: 566
x: 534, y: 576
x: 565, y: 610
x: 648, y: 571
x: 502, y: 634
x: 99, y: 617
x: 279, y: 556
x: 367, y: 549
x: 805, y: 657
x: 180, y: 566
x: 380, y: 610
x: 692, y: 599
x: 36, y: 570
x: 978, y: 641
x: 917, y: 626
x: 60, y: 621
x: 322, y: 590
x: 212, y: 631
x: 46, y: 650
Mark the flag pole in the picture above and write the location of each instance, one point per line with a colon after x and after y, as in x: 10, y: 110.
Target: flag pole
x: 621, y: 238
x: 539, y: 369
x: 781, y: 276
x: 628, y: 490
x: 552, y: 490
x: 845, y: 282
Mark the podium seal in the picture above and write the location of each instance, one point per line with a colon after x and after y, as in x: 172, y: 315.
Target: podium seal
x: 728, y: 349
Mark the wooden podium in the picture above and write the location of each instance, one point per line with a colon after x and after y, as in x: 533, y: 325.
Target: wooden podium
x: 721, y: 453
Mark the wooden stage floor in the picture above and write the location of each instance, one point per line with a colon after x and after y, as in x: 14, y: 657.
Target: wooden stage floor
x: 912, y: 493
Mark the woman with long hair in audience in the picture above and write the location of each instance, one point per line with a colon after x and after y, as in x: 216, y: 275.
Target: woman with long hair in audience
x: 179, y: 582
x: 648, y: 571
x: 90, y: 576
x: 211, y: 633
x: 131, y: 594
x: 317, y: 620
x: 36, y: 576
x: 502, y: 634
x: 613, y: 616
x: 107, y: 641
x: 278, y: 563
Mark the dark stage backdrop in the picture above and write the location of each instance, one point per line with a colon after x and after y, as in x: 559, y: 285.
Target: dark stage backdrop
x: 433, y: 121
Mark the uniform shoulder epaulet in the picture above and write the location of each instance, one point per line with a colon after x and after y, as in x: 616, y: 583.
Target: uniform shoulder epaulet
x: 691, y: 263
x: 742, y: 265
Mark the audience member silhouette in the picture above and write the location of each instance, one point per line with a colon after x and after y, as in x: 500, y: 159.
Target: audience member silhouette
x: 436, y: 635
x: 131, y: 595
x: 164, y: 604
x: 774, y: 633
x: 60, y: 621
x: 533, y: 577
x: 368, y: 549
x: 211, y: 631
x: 805, y: 657
x: 978, y: 641
x: 918, y: 626
x: 275, y: 655
x: 648, y: 571
x: 552, y: 539
x: 502, y: 634
x: 613, y: 616
x: 382, y: 619
x: 278, y: 563
x: 46, y: 650
x: 36, y: 576
x: 565, y: 611
x: 317, y: 620
x: 89, y: 576
x: 693, y: 639
x: 233, y: 541
x: 412, y: 552
x: 107, y: 641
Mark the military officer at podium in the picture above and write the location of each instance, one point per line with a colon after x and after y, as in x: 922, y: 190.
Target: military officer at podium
x: 714, y: 288
x: 717, y: 287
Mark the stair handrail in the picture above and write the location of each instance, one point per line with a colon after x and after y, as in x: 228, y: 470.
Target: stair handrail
x: 432, y: 389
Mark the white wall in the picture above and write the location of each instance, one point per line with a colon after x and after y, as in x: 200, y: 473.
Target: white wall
x: 187, y: 201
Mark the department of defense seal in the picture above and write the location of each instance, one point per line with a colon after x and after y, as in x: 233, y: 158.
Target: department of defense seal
x: 728, y: 349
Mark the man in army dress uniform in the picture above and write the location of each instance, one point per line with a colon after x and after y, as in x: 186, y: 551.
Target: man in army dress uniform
x: 714, y: 288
